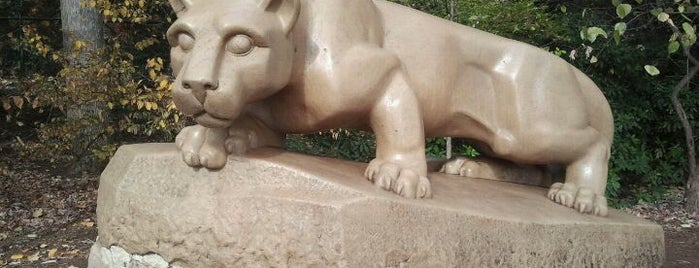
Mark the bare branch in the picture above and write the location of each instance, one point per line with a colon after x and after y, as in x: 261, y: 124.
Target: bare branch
x: 689, y: 133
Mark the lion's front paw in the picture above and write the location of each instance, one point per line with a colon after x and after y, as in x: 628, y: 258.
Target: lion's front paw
x: 581, y: 199
x: 240, y: 141
x: 401, y: 179
x: 203, y: 147
x: 461, y: 166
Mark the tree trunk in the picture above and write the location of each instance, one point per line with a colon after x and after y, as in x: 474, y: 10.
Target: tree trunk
x: 82, y: 24
x: 83, y: 38
x: 692, y: 195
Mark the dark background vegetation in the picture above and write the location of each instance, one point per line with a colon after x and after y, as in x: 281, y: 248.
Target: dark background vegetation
x: 130, y: 79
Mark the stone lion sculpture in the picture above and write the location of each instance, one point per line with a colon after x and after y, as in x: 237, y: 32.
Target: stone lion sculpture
x: 249, y: 71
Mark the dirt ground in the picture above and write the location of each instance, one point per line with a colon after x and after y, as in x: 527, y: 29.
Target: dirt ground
x: 48, y: 220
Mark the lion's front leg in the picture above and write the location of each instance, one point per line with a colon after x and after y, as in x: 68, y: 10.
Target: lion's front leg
x: 210, y: 147
x: 400, y: 165
x: 248, y: 133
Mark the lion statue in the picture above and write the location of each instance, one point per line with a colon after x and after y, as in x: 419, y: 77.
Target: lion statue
x: 250, y: 71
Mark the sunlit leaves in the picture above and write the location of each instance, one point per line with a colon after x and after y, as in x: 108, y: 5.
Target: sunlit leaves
x: 619, y: 30
x: 651, y: 70
x: 623, y: 10
x: 592, y: 33
x: 673, y: 47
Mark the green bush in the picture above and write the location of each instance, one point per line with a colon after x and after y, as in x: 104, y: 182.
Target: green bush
x: 648, y: 154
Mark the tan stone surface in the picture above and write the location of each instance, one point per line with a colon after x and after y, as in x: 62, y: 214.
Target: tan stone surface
x: 272, y: 208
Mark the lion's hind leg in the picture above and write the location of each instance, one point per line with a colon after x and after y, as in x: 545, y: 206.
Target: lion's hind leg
x: 585, y: 182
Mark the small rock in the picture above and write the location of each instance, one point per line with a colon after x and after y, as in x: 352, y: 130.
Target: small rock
x: 120, y: 258
x: 38, y: 212
x: 155, y: 261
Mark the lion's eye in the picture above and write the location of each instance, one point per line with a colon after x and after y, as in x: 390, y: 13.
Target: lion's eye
x: 185, y: 41
x: 240, y: 44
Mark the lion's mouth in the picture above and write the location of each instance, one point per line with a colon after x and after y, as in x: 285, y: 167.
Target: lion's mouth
x: 207, y: 120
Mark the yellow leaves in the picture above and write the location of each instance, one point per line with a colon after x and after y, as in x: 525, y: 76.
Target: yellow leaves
x: 88, y: 223
x: 17, y: 257
x: 37, y: 41
x: 123, y: 11
x: 155, y: 63
x: 52, y: 253
x: 151, y: 106
x: 19, y: 101
x: 152, y: 75
x: 78, y: 45
x: 127, y: 10
x: 148, y: 105
x: 6, y: 105
x: 163, y: 85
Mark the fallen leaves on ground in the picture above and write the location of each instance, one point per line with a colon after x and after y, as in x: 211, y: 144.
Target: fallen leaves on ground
x: 669, y: 212
x: 46, y: 220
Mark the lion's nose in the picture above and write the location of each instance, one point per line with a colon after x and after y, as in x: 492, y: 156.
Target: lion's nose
x: 199, y: 88
x: 200, y: 85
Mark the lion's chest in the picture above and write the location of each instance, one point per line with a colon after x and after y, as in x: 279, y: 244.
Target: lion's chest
x: 294, y: 111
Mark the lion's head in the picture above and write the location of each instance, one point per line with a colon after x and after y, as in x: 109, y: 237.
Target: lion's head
x: 226, y: 54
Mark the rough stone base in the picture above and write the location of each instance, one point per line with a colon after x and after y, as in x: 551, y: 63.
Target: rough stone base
x: 278, y: 209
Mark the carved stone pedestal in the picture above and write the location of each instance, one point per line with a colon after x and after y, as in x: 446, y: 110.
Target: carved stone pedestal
x: 277, y: 209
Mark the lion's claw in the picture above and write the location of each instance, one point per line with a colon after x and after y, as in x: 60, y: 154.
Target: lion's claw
x: 581, y: 199
x: 402, y: 181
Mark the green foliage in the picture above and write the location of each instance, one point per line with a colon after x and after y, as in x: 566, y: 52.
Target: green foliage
x: 525, y: 20
x: 436, y: 147
x: 637, y: 72
x: 339, y: 143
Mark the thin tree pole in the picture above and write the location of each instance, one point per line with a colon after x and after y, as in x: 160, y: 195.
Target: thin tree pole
x: 452, y: 17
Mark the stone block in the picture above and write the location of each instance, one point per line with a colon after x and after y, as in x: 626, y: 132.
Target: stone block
x: 272, y: 208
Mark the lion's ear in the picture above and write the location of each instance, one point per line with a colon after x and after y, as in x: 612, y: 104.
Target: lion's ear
x: 286, y: 10
x: 180, y: 6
